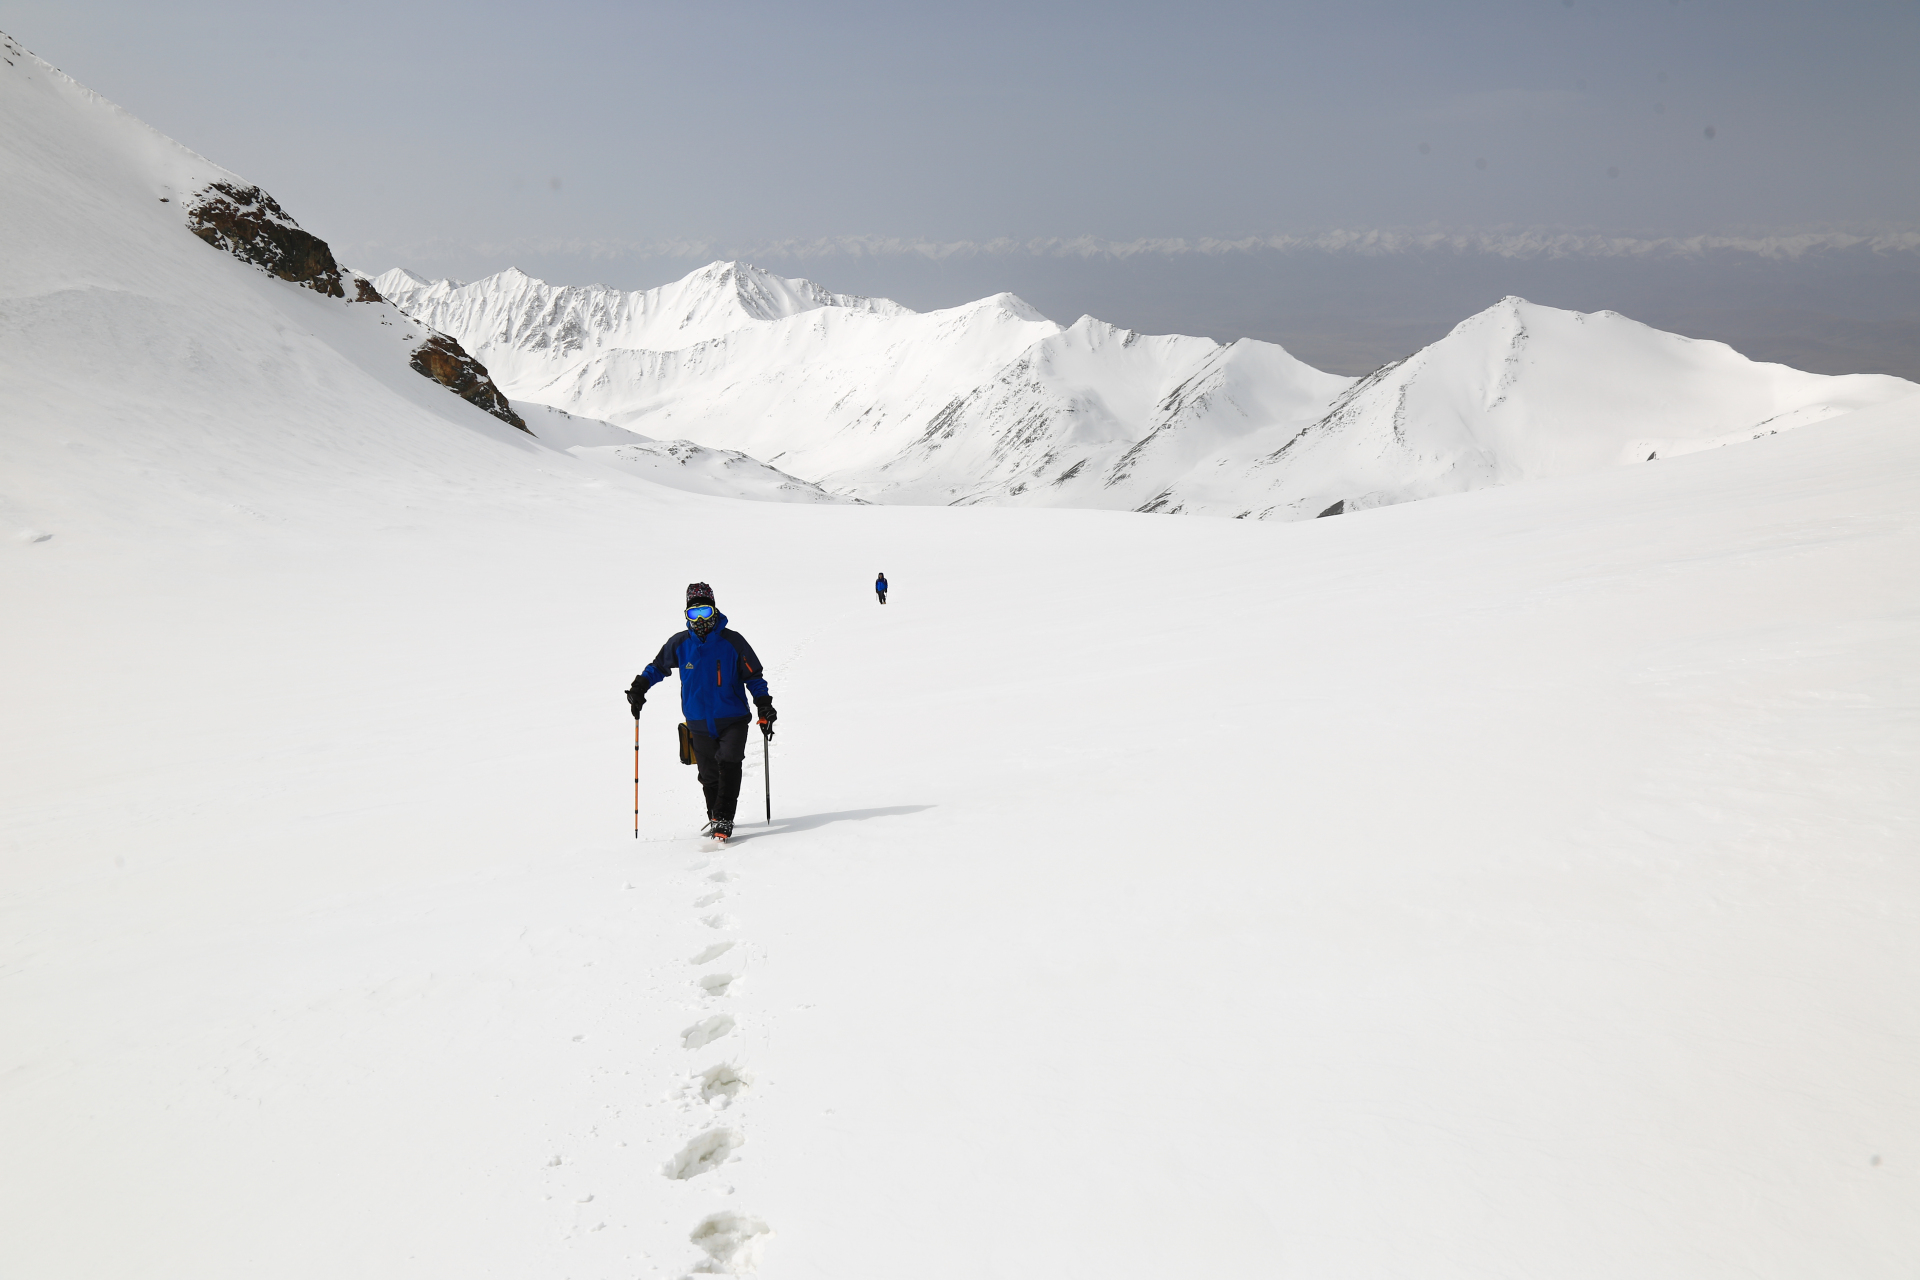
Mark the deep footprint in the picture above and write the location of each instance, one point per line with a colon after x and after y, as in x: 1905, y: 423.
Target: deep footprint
x: 723, y: 1081
x: 731, y: 1239
x: 712, y: 951
x: 702, y: 1033
x: 704, y: 1154
x: 716, y: 984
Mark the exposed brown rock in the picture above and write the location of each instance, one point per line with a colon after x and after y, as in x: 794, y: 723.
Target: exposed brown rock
x: 251, y: 225
x: 443, y: 360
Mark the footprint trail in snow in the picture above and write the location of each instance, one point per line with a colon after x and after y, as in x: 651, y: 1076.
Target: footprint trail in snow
x: 731, y: 1241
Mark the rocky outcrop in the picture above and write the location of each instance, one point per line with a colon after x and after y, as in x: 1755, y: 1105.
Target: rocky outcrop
x: 443, y: 360
x: 251, y: 225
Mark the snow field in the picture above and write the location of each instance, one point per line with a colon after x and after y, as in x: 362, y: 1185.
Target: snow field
x: 1517, y: 882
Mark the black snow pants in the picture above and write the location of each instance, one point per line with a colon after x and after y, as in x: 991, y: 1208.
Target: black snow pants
x: 882, y: 595
x: 718, y: 760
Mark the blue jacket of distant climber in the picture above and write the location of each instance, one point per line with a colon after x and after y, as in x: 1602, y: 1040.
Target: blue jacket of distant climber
x: 716, y: 674
x: 880, y: 584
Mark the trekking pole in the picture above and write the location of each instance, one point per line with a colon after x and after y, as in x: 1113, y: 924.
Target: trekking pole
x: 636, y: 775
x: 766, y: 766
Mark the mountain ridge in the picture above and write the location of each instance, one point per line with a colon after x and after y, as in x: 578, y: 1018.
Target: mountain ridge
x: 517, y: 321
x: 991, y: 402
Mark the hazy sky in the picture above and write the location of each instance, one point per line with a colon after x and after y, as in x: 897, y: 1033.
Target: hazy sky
x: 390, y: 123
x: 626, y: 143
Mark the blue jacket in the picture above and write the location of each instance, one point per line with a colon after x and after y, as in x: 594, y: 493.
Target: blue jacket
x: 879, y: 584
x: 716, y: 673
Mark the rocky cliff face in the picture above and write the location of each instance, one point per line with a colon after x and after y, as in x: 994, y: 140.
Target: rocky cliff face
x: 443, y: 360
x: 251, y: 225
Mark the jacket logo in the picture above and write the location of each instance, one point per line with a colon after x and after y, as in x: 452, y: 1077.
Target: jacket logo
x: 688, y: 667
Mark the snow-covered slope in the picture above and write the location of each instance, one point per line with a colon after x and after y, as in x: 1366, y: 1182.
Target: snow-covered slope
x: 993, y: 403
x: 1541, y: 903
x: 130, y: 348
x: 830, y: 394
x: 678, y: 464
x: 1101, y: 417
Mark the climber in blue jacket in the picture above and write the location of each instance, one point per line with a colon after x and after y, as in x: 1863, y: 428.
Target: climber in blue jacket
x: 880, y: 587
x: 718, y: 670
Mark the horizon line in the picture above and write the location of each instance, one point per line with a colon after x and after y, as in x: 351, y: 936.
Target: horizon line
x: 1512, y: 244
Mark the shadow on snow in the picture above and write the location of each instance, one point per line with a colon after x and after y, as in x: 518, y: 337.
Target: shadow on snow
x: 749, y: 827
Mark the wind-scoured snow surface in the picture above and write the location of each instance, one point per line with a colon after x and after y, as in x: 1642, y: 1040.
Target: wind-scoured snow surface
x: 1518, y: 883
x: 993, y: 403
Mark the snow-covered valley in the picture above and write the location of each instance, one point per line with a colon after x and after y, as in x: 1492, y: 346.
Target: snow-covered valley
x: 1535, y: 893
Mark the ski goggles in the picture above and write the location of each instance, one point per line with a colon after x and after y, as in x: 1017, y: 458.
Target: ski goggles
x: 700, y: 613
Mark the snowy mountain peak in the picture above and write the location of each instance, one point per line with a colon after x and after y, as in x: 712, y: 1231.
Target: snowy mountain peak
x: 401, y: 274
x: 1505, y: 315
x: 1521, y: 391
x: 1014, y: 305
x: 762, y: 295
x: 524, y: 328
x: 1092, y: 329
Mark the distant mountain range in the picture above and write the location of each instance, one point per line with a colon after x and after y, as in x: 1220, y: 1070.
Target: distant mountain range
x: 167, y: 309
x: 992, y: 402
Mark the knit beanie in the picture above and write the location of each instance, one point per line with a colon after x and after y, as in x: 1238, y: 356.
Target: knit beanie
x: 698, y: 593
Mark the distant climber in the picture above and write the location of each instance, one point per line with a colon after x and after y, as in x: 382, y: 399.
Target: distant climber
x: 880, y: 587
x: 718, y: 669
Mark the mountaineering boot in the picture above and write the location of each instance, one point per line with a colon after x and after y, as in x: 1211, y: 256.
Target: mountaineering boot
x: 712, y: 828
x: 722, y: 829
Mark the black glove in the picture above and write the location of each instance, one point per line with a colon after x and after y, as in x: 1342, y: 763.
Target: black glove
x: 637, y: 696
x: 767, y: 714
